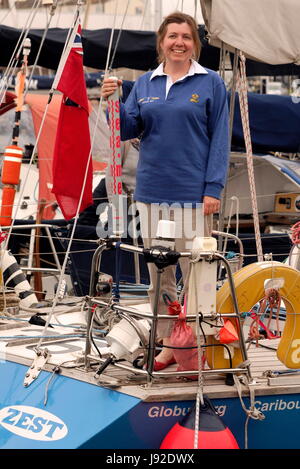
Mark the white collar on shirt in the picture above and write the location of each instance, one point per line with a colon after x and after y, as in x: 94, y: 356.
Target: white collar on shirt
x: 195, y: 68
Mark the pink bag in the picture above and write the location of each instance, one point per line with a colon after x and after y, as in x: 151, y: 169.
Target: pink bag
x: 183, y: 335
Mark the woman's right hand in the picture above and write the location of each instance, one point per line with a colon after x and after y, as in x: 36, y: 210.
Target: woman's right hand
x: 109, y: 86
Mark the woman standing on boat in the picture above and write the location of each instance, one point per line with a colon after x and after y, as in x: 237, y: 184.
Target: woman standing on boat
x: 181, y: 111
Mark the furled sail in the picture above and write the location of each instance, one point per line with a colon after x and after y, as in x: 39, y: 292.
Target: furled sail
x: 267, y: 31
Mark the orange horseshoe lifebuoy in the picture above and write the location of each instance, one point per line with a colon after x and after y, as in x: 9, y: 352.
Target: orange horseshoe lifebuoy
x: 249, y: 284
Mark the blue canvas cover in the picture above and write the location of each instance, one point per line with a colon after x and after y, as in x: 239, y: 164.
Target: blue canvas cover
x: 274, y: 124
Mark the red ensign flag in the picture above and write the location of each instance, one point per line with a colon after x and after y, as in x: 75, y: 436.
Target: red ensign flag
x: 72, y: 144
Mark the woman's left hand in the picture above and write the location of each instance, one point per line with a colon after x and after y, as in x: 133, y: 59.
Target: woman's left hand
x: 210, y: 205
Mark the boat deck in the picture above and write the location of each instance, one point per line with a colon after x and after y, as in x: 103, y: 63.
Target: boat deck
x: 263, y: 361
x: 66, y: 345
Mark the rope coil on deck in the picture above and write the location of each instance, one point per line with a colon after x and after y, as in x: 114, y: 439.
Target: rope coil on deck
x: 295, y: 233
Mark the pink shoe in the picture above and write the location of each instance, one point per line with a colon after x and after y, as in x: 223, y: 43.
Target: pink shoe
x: 158, y: 366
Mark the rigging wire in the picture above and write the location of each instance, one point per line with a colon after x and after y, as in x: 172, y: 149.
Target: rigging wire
x: 12, y: 7
x: 144, y: 14
x: 236, y: 200
x: 59, y: 13
x: 52, y: 12
x: 222, y: 68
x: 10, y: 70
x: 32, y: 155
x: 83, y: 186
x: 110, y: 45
x: 195, y: 9
x: 63, y: 268
x: 30, y: 164
x: 119, y: 36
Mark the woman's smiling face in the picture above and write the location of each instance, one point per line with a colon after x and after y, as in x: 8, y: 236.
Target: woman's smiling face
x: 178, y: 44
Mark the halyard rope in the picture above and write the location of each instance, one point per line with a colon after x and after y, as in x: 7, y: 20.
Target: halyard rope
x: 242, y: 90
x: 199, y: 397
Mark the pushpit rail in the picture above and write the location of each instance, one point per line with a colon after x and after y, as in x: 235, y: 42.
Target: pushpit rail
x: 123, y: 312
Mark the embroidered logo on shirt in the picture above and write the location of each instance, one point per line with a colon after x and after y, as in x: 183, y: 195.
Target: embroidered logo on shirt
x: 148, y: 99
x: 195, y: 98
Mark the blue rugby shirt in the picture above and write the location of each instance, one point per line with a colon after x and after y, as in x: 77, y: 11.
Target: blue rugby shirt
x: 184, y: 150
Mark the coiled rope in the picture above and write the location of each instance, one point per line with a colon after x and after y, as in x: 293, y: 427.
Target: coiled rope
x: 295, y: 233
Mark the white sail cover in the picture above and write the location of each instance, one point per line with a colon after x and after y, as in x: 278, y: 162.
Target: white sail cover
x: 265, y: 30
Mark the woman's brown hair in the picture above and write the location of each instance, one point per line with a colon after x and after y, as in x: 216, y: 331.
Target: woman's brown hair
x: 179, y: 18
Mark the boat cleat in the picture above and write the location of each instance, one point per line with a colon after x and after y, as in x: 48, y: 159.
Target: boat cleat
x: 108, y: 381
x: 33, y: 372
